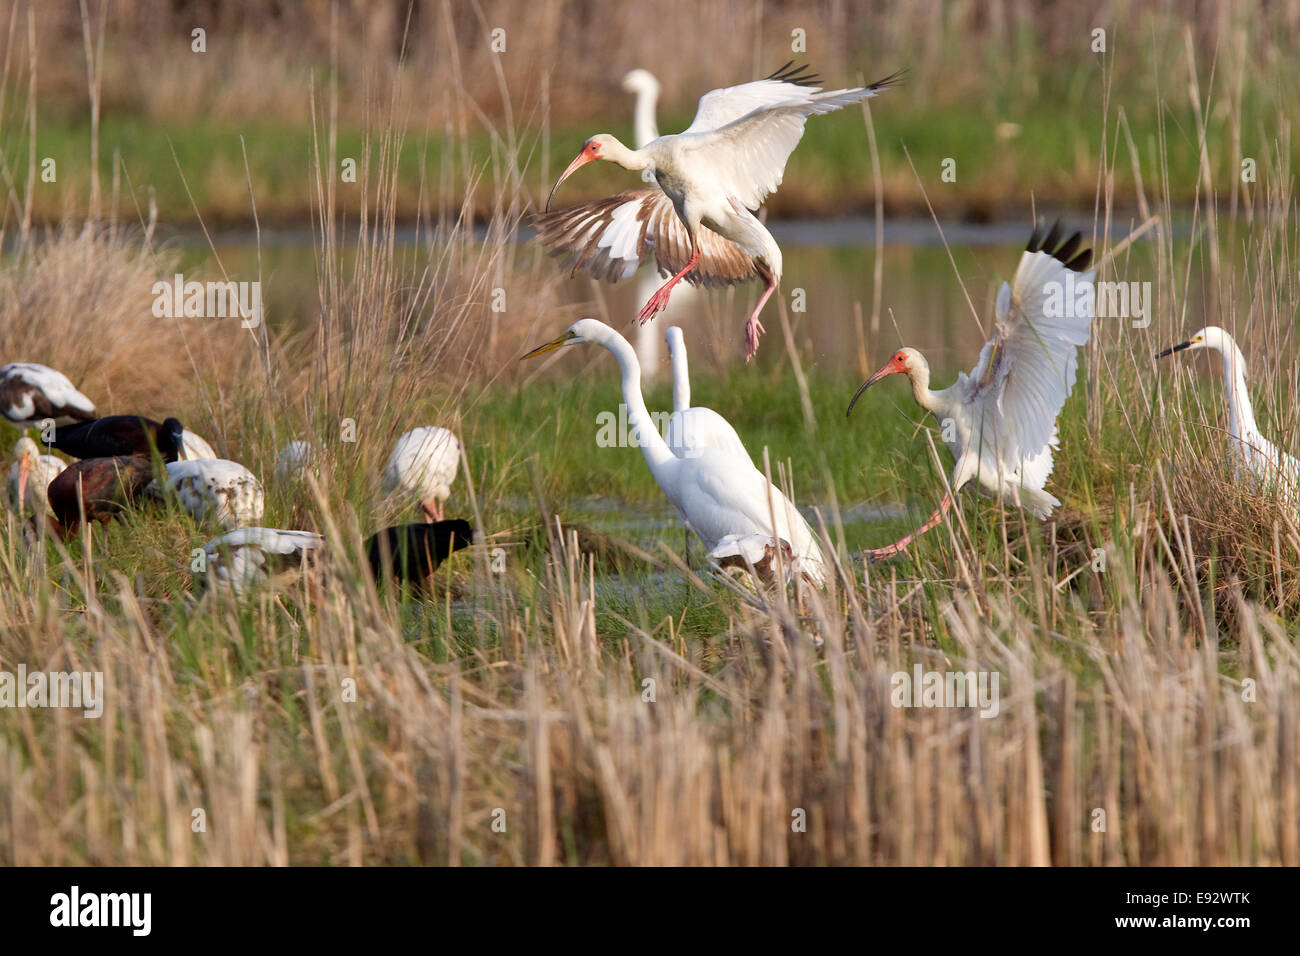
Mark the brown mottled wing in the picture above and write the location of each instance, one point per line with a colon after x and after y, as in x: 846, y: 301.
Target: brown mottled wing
x: 610, y: 238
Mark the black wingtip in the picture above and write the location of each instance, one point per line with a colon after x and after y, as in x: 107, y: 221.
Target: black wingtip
x: 1064, y: 250
x: 797, y: 75
x: 894, y: 79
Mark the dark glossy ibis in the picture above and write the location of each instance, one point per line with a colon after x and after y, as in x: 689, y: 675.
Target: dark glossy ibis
x: 412, y: 552
x: 118, y: 435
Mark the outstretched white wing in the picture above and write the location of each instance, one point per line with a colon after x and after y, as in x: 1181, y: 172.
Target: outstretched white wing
x: 1027, y: 370
x: 747, y: 133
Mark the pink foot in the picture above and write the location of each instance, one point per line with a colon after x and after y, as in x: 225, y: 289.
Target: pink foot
x: 880, y: 554
x: 753, y: 329
x: 658, y: 302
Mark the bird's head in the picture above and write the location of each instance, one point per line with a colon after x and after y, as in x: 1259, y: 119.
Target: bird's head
x: 640, y: 81
x: 171, y: 439
x: 1210, y: 337
x: 906, y: 361
x: 600, y: 146
x: 579, y: 333
x: 28, y: 453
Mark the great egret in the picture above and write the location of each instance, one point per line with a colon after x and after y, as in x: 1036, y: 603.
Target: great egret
x: 999, y: 421
x: 217, y: 489
x: 711, y: 176
x: 31, y: 393
x: 692, y: 428
x: 717, y: 493
x: 423, y: 466
x: 1260, y: 457
x: 118, y: 435
x: 412, y: 552
x: 34, y: 471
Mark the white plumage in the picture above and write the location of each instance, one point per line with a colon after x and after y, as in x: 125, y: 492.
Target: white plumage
x: 1255, y: 455
x: 692, y: 428
x: 30, y: 476
x: 999, y: 421
x: 294, y: 460
x: 31, y: 393
x: 716, y: 173
x: 422, y: 467
x: 194, y: 448
x: 718, y: 494
x: 216, y: 489
x: 246, y: 557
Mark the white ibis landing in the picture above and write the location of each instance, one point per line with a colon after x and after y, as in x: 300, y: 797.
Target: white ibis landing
x: 422, y: 467
x: 218, y: 489
x: 700, y: 223
x: 999, y: 421
x: 31, y: 393
x: 1255, y: 454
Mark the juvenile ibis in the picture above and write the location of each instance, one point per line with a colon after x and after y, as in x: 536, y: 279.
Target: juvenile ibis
x: 99, y: 488
x: 247, y: 557
x: 30, y: 477
x: 999, y: 421
x: 216, y: 489
x: 718, y: 493
x: 422, y: 467
x: 699, y: 224
x: 119, y: 435
x: 412, y: 552
x: 1255, y: 454
x: 31, y: 393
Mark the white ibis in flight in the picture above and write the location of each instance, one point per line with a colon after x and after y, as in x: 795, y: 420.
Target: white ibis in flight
x: 999, y: 421
x: 412, y: 552
x: 422, y: 467
x: 30, y: 477
x: 699, y: 225
x: 98, y: 488
x: 119, y: 435
x: 217, y: 489
x: 31, y: 393
x: 717, y: 493
x: 1259, y: 457
x: 246, y: 557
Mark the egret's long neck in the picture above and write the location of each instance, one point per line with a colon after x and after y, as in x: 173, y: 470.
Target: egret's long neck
x: 919, y: 374
x: 643, y: 119
x: 657, y: 453
x: 1241, y: 414
x: 681, y: 375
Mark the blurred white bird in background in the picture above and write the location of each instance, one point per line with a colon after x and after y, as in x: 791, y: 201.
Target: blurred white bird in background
x: 999, y: 421
x: 422, y: 468
x: 294, y: 460
x: 247, y: 557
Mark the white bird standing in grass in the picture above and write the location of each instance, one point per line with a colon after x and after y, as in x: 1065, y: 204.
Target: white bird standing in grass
x: 700, y: 223
x: 217, y: 489
x: 692, y: 428
x: 31, y: 393
x: 717, y: 493
x: 1273, y: 467
x: 999, y: 421
x: 30, y: 476
x: 423, y: 466
x: 245, y: 557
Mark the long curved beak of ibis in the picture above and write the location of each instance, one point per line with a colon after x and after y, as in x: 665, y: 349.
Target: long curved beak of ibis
x: 582, y: 159
x: 887, y: 370
x: 552, y: 345
x: 1175, y: 348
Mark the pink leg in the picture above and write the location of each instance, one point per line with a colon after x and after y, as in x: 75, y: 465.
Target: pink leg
x: 754, y: 328
x: 432, y: 511
x: 659, y: 301
x: 889, y: 550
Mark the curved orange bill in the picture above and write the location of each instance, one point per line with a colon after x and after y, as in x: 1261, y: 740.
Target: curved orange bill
x: 24, y: 470
x: 582, y: 159
x: 887, y: 370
